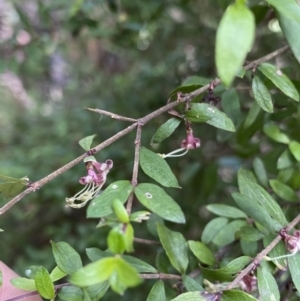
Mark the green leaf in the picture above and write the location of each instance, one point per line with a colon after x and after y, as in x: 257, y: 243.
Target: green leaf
x: 128, y: 237
x: 235, y: 36
x: 24, y: 283
x: 202, y: 252
x: 196, y: 80
x: 267, y: 286
x: 231, y: 105
x: 12, y: 186
x: 262, y: 95
x: 277, y: 251
x: 102, y: 205
x: 203, y: 112
x: 257, y: 212
x: 285, y: 160
x: 116, y: 241
x: 44, y: 283
x: 283, y: 191
x: 294, y: 147
x: 237, y: 295
x: 294, y: 267
x: 260, y: 171
x: 141, y: 266
x: 86, y: 142
x: 252, y: 115
x: 212, y: 229
x: 280, y: 80
x: 191, y: 284
x: 70, y: 293
x: 175, y: 247
x: 227, y: 233
x: 273, y: 131
x: 97, y: 291
x: 250, y: 233
x: 226, y: 211
x: 165, y: 130
x: 57, y: 274
x: 120, y: 211
x: 190, y: 296
x: 66, y: 258
x: 157, y: 292
x: 155, y: 199
x: 157, y: 168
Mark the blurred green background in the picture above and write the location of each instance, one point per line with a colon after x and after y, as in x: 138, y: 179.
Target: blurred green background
x: 58, y: 57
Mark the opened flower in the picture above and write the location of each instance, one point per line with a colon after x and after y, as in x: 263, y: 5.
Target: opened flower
x: 93, y: 181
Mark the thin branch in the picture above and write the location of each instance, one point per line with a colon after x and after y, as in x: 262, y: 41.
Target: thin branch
x: 112, y: 115
x: 161, y: 276
x: 261, y: 255
x: 146, y: 241
x: 144, y: 120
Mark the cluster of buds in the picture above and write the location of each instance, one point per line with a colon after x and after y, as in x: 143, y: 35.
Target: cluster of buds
x: 248, y: 283
x: 292, y: 242
x: 93, y: 181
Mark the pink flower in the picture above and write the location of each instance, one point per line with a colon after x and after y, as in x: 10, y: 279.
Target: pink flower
x: 190, y: 142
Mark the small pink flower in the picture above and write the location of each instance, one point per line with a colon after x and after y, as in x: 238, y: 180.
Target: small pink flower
x: 190, y: 142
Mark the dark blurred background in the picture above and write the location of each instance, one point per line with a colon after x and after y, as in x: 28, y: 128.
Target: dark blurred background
x: 58, y: 57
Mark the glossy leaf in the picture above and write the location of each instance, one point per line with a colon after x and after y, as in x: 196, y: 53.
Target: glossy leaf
x: 165, y: 130
x: 57, y: 274
x: 267, y: 285
x: 280, y: 80
x: 226, y: 211
x: 294, y: 267
x: 234, y: 39
x: 262, y: 95
x: 157, y: 292
x: 260, y: 171
x: 203, y: 112
x: 212, y: 229
x: 191, y: 284
x: 24, y: 283
x: 44, y: 283
x: 102, y: 205
x: 157, y: 168
x: 70, y: 293
x: 273, y: 131
x: 237, y: 295
x: 190, y: 296
x: 202, y: 252
x: 66, y: 258
x: 175, y: 246
x: 155, y: 199
x: 283, y: 191
x: 86, y: 142
x: 294, y: 147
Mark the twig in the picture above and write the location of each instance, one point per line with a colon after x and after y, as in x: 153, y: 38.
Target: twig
x: 161, y: 276
x: 144, y: 120
x: 261, y: 255
x: 146, y: 241
x: 112, y: 115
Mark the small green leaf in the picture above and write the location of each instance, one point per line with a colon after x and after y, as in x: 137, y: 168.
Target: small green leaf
x: 120, y: 211
x: 202, y: 252
x: 165, y: 130
x: 157, y: 292
x: 24, y: 283
x: 155, y: 199
x: 249, y: 233
x: 86, y: 142
x: 175, y: 247
x: 139, y: 216
x: 212, y: 229
x: 191, y: 284
x: 294, y: 147
x: 294, y: 267
x: 196, y: 80
x: 9, y: 186
x: 67, y: 259
x: 226, y: 211
x: 116, y: 241
x: 280, y: 80
x: 1, y: 230
x: 262, y: 95
x: 102, y: 205
x: 260, y: 171
x: 234, y: 39
x: 157, y: 168
x: 97, y: 291
x: 273, y: 131
x: 283, y: 191
x: 285, y: 160
x: 237, y: 295
x: 57, y: 274
x: 203, y: 112
x: 70, y: 293
x: 252, y: 116
x: 227, y: 233
x: 128, y: 238
x: 190, y: 296
x: 267, y: 286
x: 44, y: 283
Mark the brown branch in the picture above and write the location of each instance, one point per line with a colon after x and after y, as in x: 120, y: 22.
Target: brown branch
x: 144, y: 120
x: 146, y: 241
x: 112, y: 115
x: 161, y: 276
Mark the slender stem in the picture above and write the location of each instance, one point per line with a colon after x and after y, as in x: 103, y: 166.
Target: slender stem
x: 161, y: 276
x: 112, y: 115
x: 144, y: 120
x: 146, y: 241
